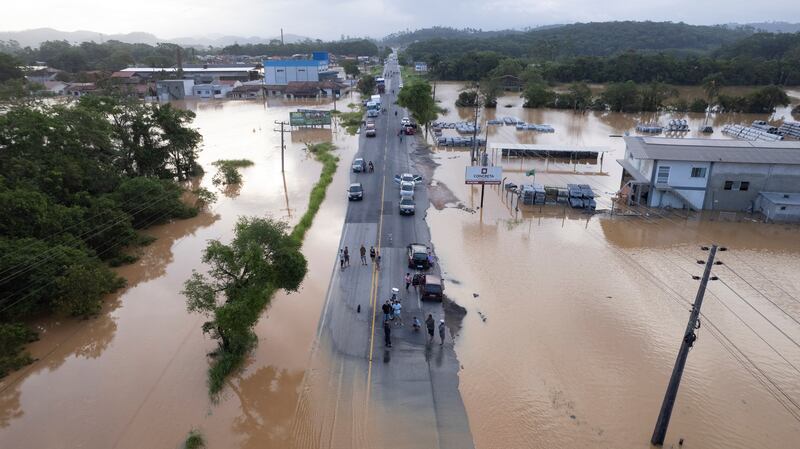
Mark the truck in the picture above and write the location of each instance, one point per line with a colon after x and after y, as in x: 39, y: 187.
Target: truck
x: 381, y: 84
x: 376, y: 99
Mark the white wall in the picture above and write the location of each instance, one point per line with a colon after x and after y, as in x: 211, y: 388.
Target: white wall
x: 680, y: 173
x: 280, y: 76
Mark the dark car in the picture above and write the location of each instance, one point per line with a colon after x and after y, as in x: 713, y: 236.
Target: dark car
x: 418, y: 256
x: 433, y: 288
x: 355, y: 191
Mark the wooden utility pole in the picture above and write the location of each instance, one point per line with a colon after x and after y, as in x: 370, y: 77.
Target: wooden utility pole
x: 689, y: 337
x: 283, y: 147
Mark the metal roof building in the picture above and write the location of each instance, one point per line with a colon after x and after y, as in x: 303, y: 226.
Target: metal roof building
x: 709, y: 174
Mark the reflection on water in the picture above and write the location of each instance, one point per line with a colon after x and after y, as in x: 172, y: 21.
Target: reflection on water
x: 574, y: 320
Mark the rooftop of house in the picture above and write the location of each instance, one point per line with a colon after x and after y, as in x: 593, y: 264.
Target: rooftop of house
x: 782, y: 199
x: 714, y: 150
x: 200, y: 69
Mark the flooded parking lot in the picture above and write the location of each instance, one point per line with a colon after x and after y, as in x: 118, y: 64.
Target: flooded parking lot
x: 574, y: 321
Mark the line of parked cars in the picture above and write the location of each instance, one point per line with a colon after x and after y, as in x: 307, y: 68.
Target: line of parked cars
x: 407, y: 183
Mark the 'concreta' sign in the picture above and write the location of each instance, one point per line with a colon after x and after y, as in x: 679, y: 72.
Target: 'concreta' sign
x: 483, y: 175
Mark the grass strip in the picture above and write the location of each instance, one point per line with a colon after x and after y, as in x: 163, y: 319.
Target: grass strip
x: 323, y: 153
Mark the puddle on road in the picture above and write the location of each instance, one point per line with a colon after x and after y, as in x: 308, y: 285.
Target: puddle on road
x: 577, y: 320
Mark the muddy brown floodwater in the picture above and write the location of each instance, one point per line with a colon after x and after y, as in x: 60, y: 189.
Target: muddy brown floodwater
x: 574, y: 321
x: 135, y: 376
x: 572, y: 328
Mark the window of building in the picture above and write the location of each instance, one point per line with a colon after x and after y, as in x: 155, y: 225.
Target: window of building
x: 728, y: 185
x: 783, y: 207
x: 217, y: 92
x: 663, y: 175
x: 698, y: 172
x: 744, y: 186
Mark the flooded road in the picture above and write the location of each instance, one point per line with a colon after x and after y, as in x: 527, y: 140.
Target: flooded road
x: 574, y: 321
x: 568, y: 343
x: 136, y: 375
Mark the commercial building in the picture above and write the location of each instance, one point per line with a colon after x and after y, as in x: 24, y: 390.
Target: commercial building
x: 281, y: 72
x: 200, y: 74
x: 174, y: 89
x: 709, y: 174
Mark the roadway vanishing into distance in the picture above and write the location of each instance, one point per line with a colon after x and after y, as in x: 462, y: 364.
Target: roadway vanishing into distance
x: 358, y: 393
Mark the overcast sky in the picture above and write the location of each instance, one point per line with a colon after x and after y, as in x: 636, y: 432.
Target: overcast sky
x: 329, y: 19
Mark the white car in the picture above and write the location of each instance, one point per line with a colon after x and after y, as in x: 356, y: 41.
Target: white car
x: 405, y: 121
x: 407, y: 190
x: 407, y: 177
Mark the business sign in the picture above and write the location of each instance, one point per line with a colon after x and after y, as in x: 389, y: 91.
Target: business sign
x: 483, y: 175
x: 310, y: 118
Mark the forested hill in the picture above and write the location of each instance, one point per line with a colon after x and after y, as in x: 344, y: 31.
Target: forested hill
x: 437, y: 32
x: 589, y: 39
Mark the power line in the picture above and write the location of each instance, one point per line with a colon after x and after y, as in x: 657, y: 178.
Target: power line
x: 762, y: 294
x: 767, y: 279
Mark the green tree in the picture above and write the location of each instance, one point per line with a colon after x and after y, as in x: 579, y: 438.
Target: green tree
x: 654, y: 95
x: 622, y: 97
x: 698, y: 105
x: 242, y: 276
x: 490, y: 90
x: 417, y: 97
x: 467, y: 99
x: 537, y: 95
x: 765, y: 99
x: 9, y: 68
x: 13, y: 337
x: 580, y: 95
x: 366, y: 85
x: 712, y: 85
x: 350, y: 67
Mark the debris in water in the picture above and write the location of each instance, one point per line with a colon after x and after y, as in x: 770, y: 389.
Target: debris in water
x: 572, y: 416
x: 358, y: 310
x: 475, y: 295
x: 483, y: 317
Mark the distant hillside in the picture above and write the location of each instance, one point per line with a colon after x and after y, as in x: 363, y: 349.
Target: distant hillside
x: 32, y: 38
x: 589, y: 39
x: 769, y: 27
x: 424, y: 34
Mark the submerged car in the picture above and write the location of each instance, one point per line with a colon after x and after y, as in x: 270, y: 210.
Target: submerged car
x: 359, y: 165
x: 355, y: 191
x: 418, y: 256
x: 407, y: 206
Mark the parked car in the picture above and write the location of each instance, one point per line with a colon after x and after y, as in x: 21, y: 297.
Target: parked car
x: 418, y: 256
x: 405, y: 121
x: 407, y: 190
x: 433, y: 288
x: 355, y: 191
x: 407, y: 206
x: 359, y: 165
x: 407, y: 177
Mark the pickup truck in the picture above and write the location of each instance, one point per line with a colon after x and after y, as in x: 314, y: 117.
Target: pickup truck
x: 418, y: 256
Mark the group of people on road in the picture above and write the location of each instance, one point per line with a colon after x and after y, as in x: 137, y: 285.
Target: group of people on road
x: 344, y: 257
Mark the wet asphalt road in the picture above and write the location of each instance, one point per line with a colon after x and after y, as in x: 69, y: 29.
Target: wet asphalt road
x: 407, y: 395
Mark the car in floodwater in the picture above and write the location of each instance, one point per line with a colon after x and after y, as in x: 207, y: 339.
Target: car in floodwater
x: 359, y: 165
x: 407, y: 206
x: 418, y: 256
x: 355, y: 191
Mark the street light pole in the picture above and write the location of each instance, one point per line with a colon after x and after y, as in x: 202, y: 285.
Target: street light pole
x: 475, y: 126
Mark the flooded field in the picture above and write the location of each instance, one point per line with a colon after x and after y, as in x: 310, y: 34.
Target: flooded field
x: 574, y: 321
x: 136, y: 375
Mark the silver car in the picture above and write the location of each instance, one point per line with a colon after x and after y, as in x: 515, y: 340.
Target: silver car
x: 407, y: 190
x: 407, y: 206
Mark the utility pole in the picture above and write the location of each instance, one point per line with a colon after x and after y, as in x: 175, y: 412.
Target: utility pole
x: 689, y: 337
x: 283, y: 147
x: 475, y: 126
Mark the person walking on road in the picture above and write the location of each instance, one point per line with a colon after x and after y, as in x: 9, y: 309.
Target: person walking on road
x: 346, y: 257
x: 408, y: 280
x: 397, y: 308
x: 341, y: 259
x: 387, y: 334
x: 441, y: 331
x: 363, y: 252
x: 431, y: 325
x: 372, y: 253
x: 387, y: 311
x: 378, y: 262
